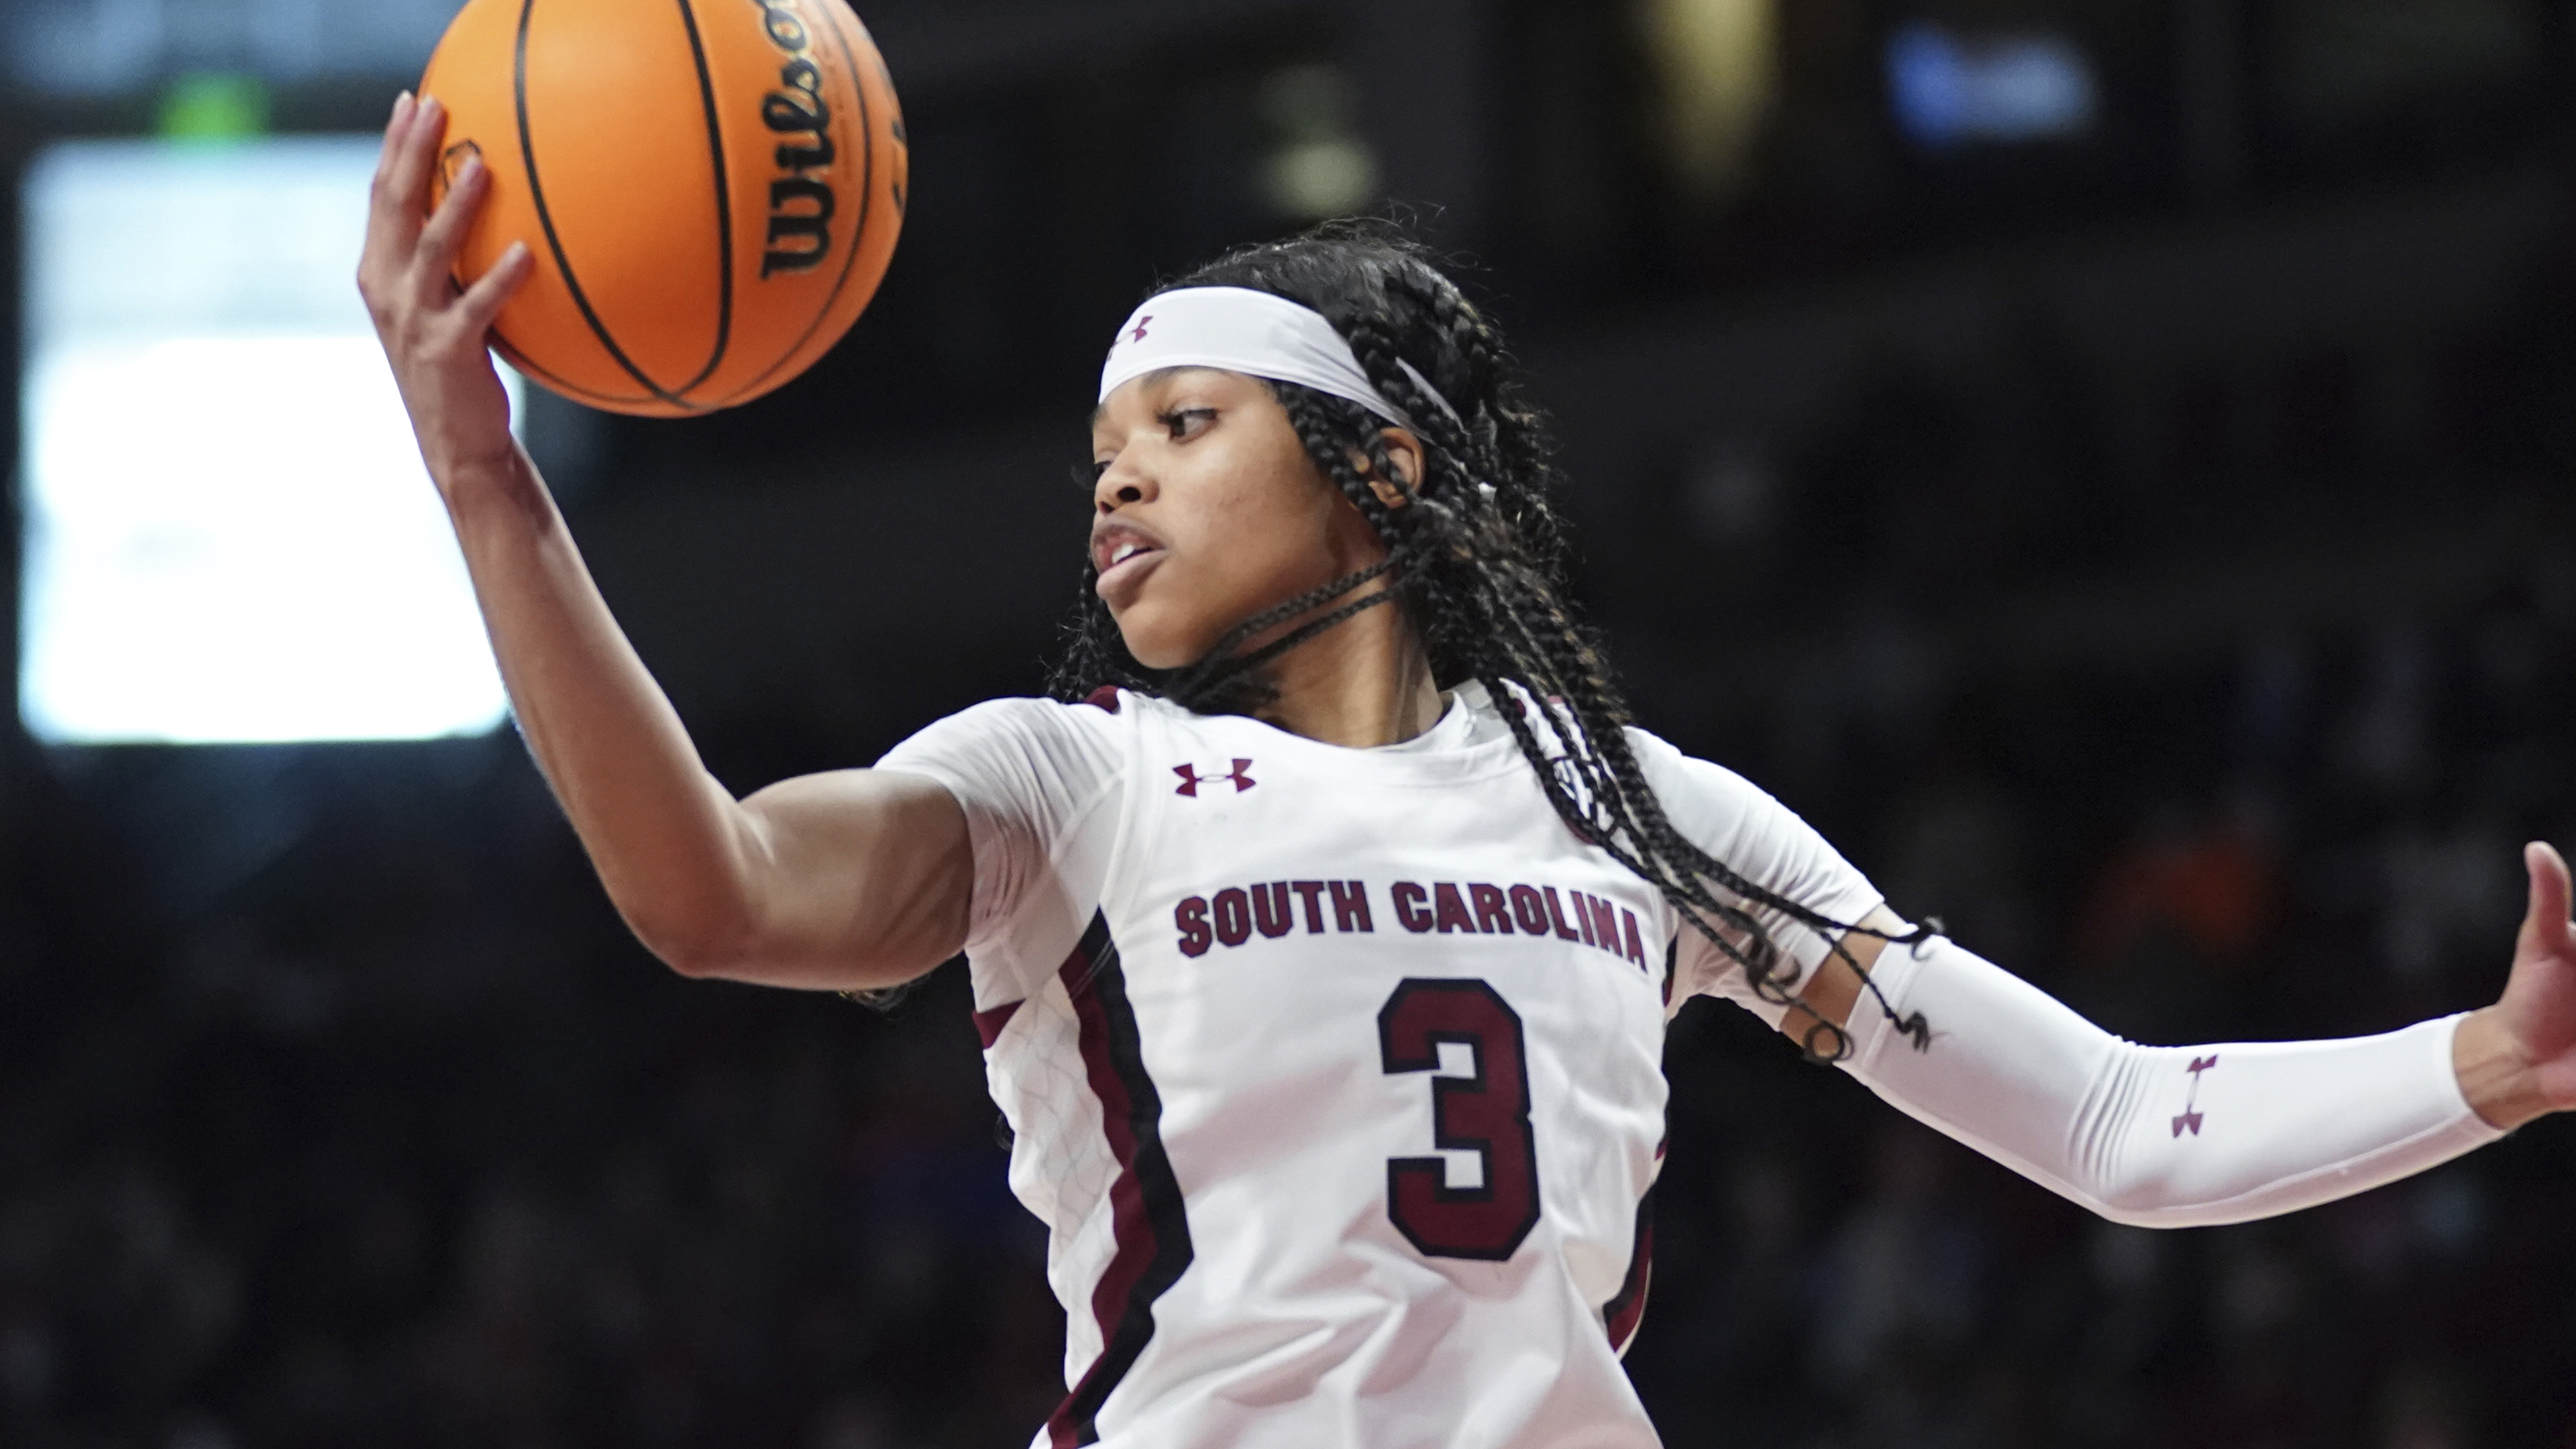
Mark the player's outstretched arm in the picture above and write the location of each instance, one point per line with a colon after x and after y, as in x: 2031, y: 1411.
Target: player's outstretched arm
x: 2184, y: 1136
x: 851, y: 881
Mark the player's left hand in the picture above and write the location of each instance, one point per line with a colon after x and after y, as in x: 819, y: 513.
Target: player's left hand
x: 2517, y: 1058
x: 435, y: 334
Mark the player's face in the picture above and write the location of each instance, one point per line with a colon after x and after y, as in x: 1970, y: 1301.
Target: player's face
x: 1208, y: 511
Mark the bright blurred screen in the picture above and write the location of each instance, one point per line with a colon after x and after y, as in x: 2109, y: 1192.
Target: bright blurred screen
x: 1953, y: 90
x: 230, y: 537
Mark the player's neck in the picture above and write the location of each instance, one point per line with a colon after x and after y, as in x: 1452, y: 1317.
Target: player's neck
x: 1362, y: 684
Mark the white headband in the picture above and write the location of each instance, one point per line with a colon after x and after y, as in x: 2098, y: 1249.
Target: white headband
x: 1240, y: 330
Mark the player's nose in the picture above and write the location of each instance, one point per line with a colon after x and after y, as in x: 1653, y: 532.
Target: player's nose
x: 1121, y: 483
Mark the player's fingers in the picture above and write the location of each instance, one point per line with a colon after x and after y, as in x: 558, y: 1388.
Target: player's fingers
x: 395, y: 127
x: 2545, y: 923
x: 405, y: 192
x: 492, y: 291
x: 391, y: 229
x: 444, y: 237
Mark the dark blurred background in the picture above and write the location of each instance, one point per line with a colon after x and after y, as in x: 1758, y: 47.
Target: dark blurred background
x: 2106, y: 464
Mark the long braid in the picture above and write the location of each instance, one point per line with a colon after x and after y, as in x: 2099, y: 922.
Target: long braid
x: 1476, y: 562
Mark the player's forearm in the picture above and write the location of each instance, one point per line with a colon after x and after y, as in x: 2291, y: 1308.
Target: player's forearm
x: 670, y: 843
x: 2158, y: 1136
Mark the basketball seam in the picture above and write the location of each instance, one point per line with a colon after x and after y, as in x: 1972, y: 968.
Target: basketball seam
x: 519, y: 358
x: 724, y: 202
x: 546, y: 220
x: 867, y: 205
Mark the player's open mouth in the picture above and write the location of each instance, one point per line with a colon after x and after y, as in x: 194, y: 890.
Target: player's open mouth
x: 1121, y: 550
x: 1127, y: 564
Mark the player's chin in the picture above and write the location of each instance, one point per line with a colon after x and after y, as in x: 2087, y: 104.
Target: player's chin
x: 1168, y: 616
x: 1156, y: 637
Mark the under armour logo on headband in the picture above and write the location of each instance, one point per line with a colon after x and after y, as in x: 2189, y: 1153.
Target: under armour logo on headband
x: 1237, y: 329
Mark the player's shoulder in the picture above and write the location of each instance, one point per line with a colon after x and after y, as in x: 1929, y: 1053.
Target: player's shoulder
x: 1097, y: 716
x: 1654, y: 751
x: 1086, y: 736
x: 1687, y: 783
x: 1552, y: 727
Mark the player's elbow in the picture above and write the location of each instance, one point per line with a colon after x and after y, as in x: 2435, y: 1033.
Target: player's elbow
x: 698, y: 942
x: 725, y: 949
x: 692, y: 961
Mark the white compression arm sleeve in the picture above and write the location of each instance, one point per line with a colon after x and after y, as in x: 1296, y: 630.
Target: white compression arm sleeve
x: 2162, y: 1137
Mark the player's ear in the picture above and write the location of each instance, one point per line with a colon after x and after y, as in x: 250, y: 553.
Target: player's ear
x: 1404, y: 451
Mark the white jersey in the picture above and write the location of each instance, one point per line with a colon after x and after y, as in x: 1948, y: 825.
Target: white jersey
x: 1336, y: 1074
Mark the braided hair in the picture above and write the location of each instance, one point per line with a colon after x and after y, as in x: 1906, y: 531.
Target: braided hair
x: 1476, y: 562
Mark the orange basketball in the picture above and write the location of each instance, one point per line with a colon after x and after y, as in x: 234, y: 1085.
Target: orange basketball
x: 711, y: 189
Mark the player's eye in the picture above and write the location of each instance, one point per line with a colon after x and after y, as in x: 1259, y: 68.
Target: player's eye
x: 1188, y: 422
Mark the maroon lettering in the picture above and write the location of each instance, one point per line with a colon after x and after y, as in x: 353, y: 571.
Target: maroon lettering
x: 1312, y: 893
x: 1350, y: 907
x: 1605, y: 924
x: 1583, y: 918
x: 1412, y: 906
x: 1271, y: 909
x: 1233, y: 917
x: 1453, y: 909
x: 1191, y: 917
x: 1530, y: 910
x: 1556, y: 916
x: 1636, y: 944
x: 1493, y: 911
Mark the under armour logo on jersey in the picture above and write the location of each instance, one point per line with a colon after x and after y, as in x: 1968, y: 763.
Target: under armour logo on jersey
x: 2191, y: 1119
x: 1240, y: 777
x: 1141, y: 324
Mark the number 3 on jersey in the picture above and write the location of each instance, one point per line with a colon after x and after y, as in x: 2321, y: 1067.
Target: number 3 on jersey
x: 1487, y: 1114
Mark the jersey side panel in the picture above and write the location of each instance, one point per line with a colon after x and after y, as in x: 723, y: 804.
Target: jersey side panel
x: 1061, y: 1163
x: 1064, y: 1166
x: 1149, y: 1235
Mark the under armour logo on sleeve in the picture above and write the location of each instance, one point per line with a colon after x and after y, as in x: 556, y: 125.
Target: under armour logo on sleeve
x: 2192, y: 1119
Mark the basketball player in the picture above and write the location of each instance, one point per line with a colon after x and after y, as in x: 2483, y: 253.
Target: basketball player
x: 1323, y: 961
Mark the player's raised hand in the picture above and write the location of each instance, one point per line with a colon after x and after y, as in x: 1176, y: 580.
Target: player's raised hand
x: 2517, y: 1058
x: 434, y: 334
x: 2540, y: 998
